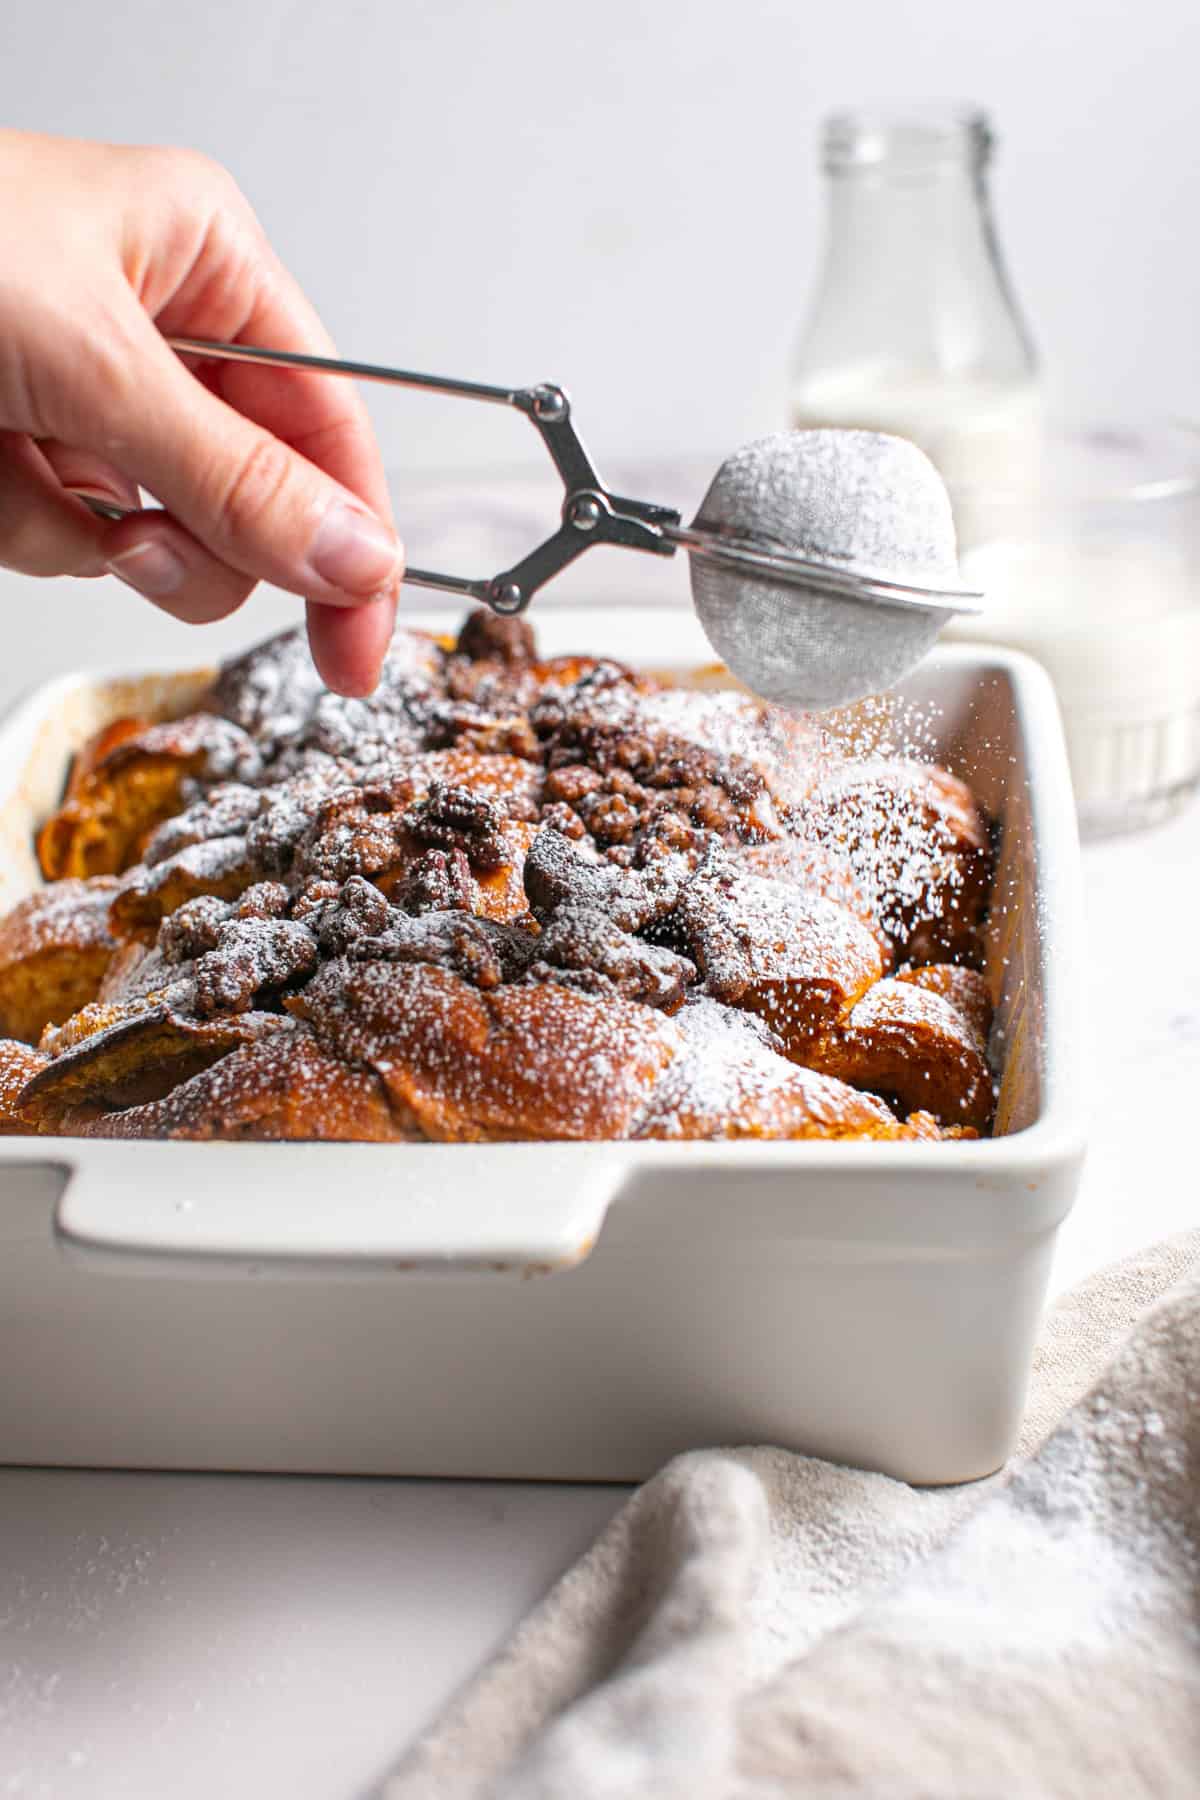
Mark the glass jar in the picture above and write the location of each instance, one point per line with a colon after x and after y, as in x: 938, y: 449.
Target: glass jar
x: 914, y: 328
x: 1089, y: 559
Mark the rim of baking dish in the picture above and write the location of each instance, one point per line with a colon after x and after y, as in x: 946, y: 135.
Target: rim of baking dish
x: 562, y: 1222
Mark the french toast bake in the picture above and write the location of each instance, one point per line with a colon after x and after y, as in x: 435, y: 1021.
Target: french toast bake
x: 502, y: 898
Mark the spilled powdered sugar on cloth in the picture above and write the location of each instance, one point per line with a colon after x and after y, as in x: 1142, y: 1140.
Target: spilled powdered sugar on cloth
x: 755, y: 1625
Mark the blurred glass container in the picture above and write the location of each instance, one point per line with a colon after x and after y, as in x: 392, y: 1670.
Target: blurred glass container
x: 914, y: 328
x: 1089, y: 559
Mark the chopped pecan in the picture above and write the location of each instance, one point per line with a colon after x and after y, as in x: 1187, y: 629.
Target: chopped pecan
x: 453, y: 817
x: 571, y: 782
x: 581, y: 947
x: 560, y: 817
x: 486, y: 635
x: 481, y: 951
x: 558, y: 872
x: 252, y: 957
x: 438, y: 881
x: 357, y: 911
x: 462, y: 724
x: 192, y: 929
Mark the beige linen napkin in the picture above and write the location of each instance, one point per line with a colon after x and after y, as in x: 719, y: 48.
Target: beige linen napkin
x: 755, y: 1624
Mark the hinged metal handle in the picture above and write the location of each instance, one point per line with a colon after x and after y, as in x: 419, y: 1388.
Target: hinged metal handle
x: 590, y: 514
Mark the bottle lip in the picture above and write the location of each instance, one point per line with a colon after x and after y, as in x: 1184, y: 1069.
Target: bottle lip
x: 909, y: 138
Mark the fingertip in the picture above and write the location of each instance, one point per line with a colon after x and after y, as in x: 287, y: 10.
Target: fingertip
x: 349, y: 644
x: 355, y: 553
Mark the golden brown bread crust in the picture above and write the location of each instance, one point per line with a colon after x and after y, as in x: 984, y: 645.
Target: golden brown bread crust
x: 501, y: 898
x: 798, y: 960
x: 127, y: 783
x: 19, y: 1063
x: 921, y: 1042
x: 514, y: 1062
x: 131, y: 1061
x: 818, y: 869
x: 283, y: 1086
x: 151, y: 895
x: 918, y: 846
x: 727, y: 1081
x: 964, y: 988
x: 55, y: 947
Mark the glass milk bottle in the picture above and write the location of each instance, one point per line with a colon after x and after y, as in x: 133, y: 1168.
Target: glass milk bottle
x: 914, y: 328
x: 1096, y: 573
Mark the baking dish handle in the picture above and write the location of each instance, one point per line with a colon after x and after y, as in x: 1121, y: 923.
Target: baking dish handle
x: 518, y: 1209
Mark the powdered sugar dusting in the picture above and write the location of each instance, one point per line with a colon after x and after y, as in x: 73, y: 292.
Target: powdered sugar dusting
x: 532, y: 900
x: 65, y: 912
x: 728, y: 1081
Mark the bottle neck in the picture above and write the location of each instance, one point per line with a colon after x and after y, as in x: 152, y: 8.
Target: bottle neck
x: 913, y: 280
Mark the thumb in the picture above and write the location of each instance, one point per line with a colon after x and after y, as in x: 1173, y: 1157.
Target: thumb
x: 252, y: 500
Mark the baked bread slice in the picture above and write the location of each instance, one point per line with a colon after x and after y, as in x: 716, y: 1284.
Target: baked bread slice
x: 505, y: 897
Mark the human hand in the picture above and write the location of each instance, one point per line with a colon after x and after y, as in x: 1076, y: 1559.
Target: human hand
x: 263, y: 474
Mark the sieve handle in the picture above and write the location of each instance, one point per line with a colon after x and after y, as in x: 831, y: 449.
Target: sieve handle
x: 590, y: 514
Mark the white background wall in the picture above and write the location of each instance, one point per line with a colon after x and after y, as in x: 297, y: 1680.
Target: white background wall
x: 625, y: 198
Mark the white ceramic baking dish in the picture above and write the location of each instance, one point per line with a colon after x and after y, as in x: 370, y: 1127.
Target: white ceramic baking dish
x: 570, y: 1311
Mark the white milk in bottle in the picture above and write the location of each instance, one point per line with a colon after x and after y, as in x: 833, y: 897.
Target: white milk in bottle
x: 914, y: 328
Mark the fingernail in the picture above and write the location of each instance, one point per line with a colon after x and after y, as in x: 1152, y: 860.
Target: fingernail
x: 353, y: 551
x: 152, y: 569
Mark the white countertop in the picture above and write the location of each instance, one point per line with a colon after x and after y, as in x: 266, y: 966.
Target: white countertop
x: 205, y: 1635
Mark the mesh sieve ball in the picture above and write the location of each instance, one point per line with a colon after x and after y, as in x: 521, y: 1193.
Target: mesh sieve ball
x: 855, y: 502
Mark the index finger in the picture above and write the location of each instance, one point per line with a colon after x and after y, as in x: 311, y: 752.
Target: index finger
x: 322, y: 417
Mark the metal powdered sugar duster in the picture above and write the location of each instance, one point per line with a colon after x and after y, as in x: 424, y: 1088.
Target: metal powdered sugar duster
x: 823, y: 563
